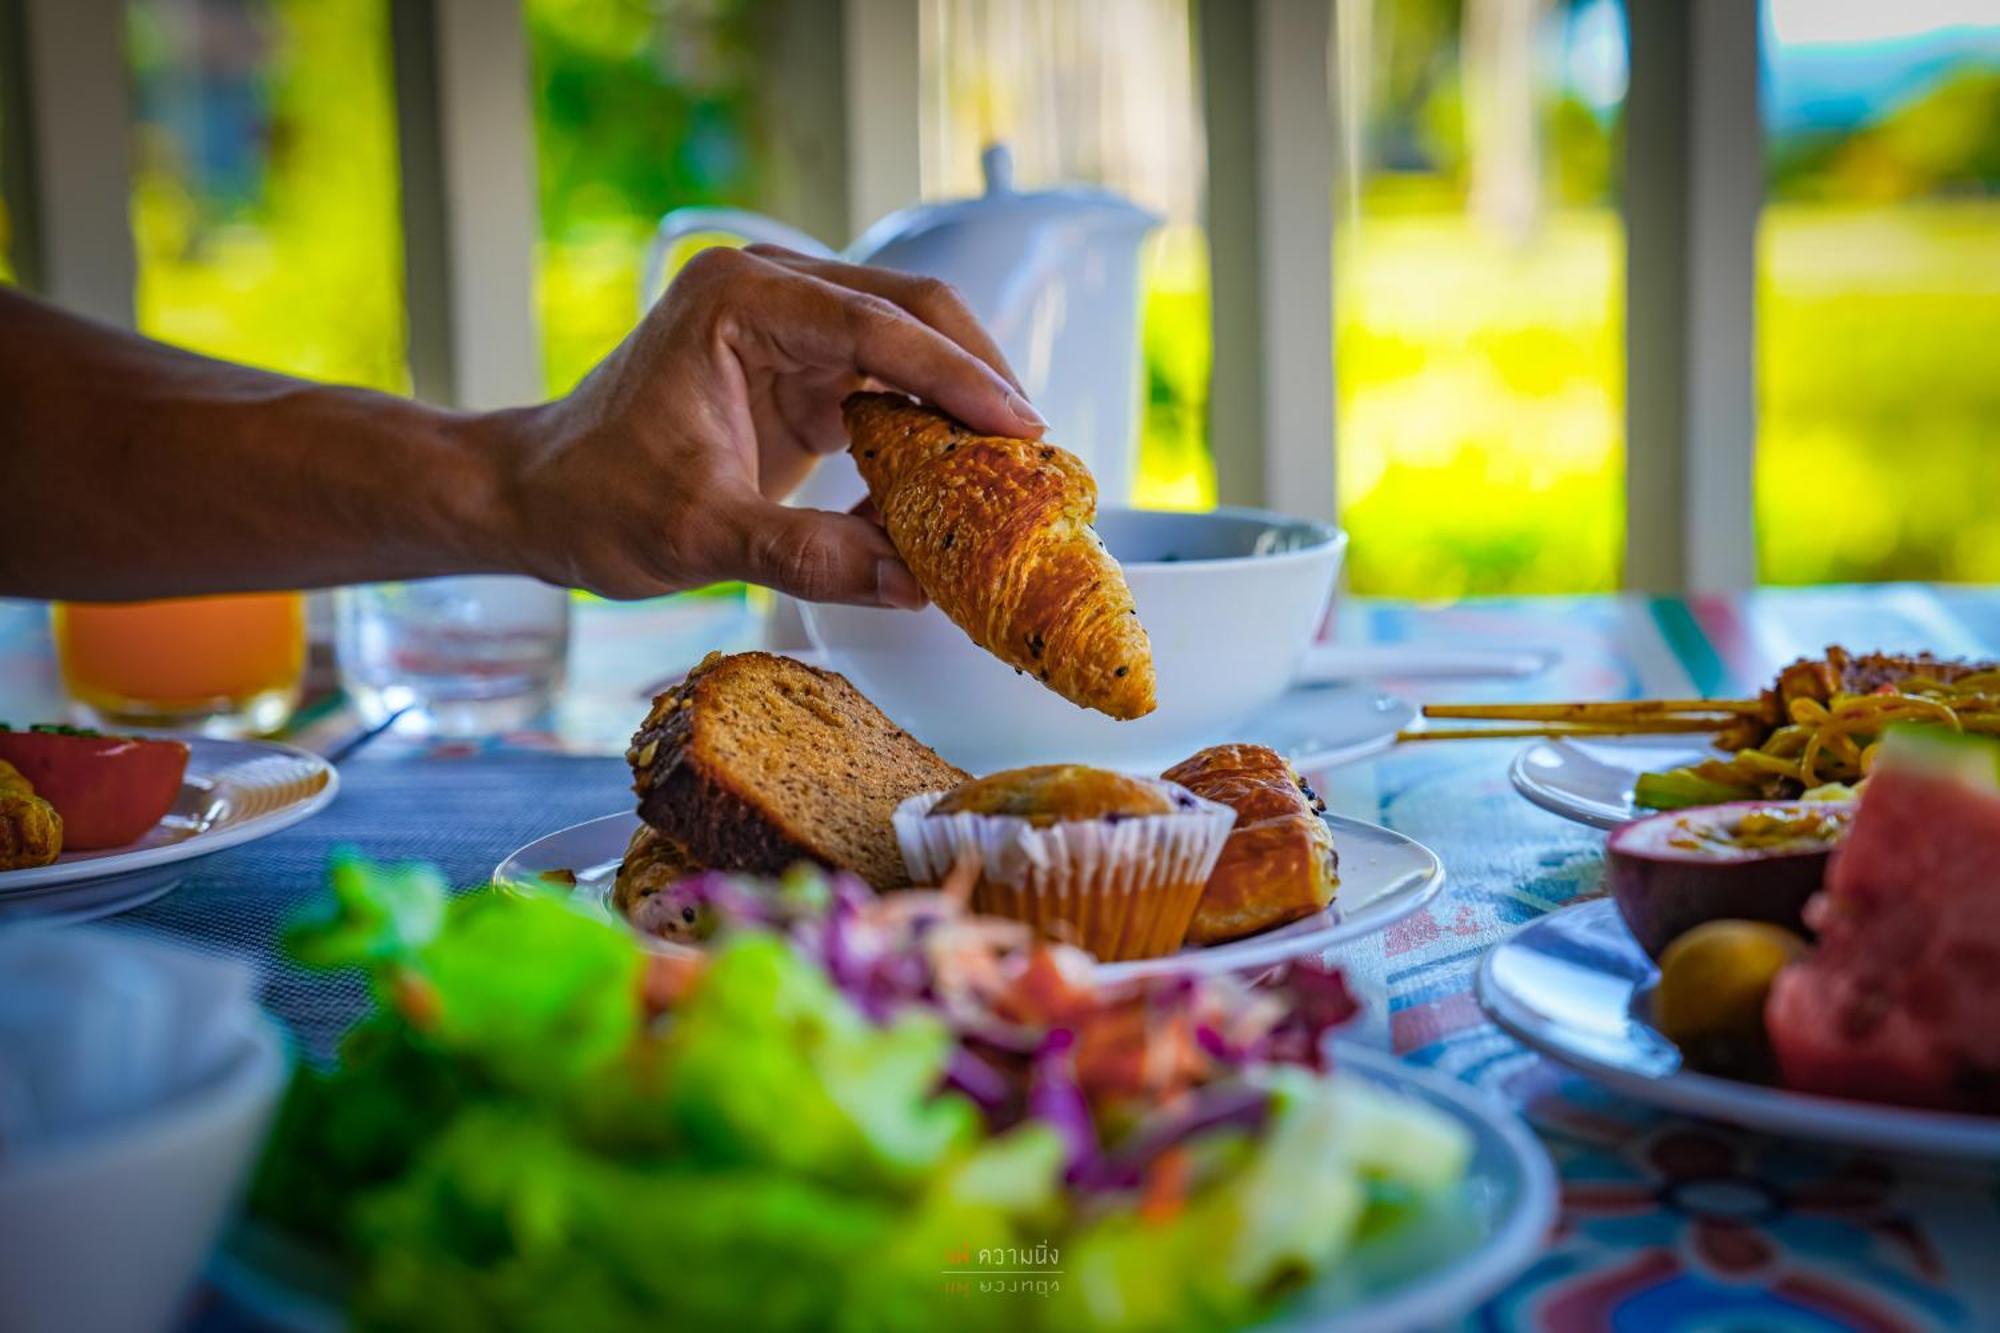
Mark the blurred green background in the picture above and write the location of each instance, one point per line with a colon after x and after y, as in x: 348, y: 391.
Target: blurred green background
x: 1479, y: 282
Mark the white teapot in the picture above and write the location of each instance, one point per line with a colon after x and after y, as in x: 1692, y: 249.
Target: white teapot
x: 1052, y: 274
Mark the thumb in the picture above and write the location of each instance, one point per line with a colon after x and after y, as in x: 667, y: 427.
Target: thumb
x: 820, y: 557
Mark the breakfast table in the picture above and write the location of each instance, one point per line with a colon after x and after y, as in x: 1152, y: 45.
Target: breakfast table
x: 1665, y: 1223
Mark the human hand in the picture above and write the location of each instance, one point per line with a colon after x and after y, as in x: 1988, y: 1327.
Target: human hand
x: 662, y: 470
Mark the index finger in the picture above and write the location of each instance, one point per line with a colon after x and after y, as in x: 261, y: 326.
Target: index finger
x: 932, y: 300
x: 902, y: 351
x: 836, y: 327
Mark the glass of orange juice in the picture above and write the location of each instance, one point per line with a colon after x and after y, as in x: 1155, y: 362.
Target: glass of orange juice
x: 227, y: 666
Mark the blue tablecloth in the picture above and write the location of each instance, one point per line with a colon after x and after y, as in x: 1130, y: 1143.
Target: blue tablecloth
x: 1667, y: 1223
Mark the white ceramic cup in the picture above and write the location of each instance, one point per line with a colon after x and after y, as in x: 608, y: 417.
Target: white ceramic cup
x: 109, y: 1229
x: 1231, y: 600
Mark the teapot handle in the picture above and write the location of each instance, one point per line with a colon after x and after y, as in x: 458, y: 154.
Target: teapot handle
x: 752, y: 227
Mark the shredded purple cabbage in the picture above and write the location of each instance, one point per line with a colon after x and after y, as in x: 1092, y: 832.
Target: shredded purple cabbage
x: 1013, y: 1070
x: 1317, y: 1001
x: 1055, y: 1099
x: 992, y: 1091
x: 1230, y: 1105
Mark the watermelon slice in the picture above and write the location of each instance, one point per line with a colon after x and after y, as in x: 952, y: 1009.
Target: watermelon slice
x: 1901, y: 1001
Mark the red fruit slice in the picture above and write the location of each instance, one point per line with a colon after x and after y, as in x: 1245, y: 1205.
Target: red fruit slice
x: 1901, y: 1002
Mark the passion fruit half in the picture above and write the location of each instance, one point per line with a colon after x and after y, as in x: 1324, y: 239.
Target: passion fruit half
x: 1745, y: 861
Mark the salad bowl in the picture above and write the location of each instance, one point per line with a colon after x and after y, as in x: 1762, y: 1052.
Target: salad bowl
x: 1438, y: 1268
x: 965, y: 1134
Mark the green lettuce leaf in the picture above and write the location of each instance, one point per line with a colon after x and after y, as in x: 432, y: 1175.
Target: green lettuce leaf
x: 531, y: 988
x: 378, y: 913
x: 506, y: 1223
x: 1679, y: 789
x: 767, y: 1064
x: 1295, y: 1205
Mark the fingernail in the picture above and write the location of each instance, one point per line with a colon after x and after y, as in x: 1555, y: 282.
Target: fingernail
x: 896, y: 586
x: 1021, y: 408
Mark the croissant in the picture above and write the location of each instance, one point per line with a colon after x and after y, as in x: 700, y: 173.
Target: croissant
x: 1279, y: 863
x: 997, y: 532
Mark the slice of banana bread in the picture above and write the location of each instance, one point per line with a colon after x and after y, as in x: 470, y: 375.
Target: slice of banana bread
x: 756, y: 761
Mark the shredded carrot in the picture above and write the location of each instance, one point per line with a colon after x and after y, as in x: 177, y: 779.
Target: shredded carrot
x: 963, y: 877
x: 415, y: 998
x: 666, y: 979
x: 1166, y: 1188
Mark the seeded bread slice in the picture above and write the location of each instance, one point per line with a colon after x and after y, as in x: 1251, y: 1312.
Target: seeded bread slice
x: 756, y: 761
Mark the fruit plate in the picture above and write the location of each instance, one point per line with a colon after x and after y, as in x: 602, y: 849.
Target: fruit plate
x: 1576, y: 987
x: 233, y: 792
x: 1436, y: 1268
x: 1591, y: 781
x: 1384, y: 877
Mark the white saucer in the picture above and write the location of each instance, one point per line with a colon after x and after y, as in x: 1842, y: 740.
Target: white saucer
x: 1591, y: 781
x: 1323, y: 726
x: 1384, y: 877
x: 1575, y: 986
x: 234, y: 792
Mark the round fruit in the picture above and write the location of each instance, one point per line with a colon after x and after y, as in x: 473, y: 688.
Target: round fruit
x: 1709, y: 1000
x: 1753, y: 860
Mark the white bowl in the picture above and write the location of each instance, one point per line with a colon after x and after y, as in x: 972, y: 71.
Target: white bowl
x: 107, y: 1229
x: 1231, y: 600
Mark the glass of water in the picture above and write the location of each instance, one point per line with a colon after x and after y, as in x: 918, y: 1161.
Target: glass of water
x: 452, y: 656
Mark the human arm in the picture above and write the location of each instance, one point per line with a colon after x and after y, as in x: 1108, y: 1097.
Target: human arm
x: 137, y: 470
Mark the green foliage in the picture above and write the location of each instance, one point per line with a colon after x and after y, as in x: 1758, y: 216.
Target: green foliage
x: 1479, y: 399
x: 1878, y: 347
x: 1481, y: 430
x: 305, y: 273
x: 1944, y: 142
x: 640, y: 112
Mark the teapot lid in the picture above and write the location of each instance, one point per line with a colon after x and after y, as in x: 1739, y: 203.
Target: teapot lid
x: 1003, y: 203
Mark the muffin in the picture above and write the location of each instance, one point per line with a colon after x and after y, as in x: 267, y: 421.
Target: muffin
x: 1111, y: 863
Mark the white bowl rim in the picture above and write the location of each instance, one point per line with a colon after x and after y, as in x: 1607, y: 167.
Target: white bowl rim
x: 256, y: 1072
x: 1331, y: 538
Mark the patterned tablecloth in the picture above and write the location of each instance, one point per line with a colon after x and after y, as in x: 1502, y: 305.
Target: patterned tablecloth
x: 1667, y: 1223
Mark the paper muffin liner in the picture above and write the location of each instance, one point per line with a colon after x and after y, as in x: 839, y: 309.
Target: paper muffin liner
x: 1121, y: 887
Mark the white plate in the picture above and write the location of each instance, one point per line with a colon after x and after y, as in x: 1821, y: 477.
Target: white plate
x: 1435, y: 1269
x: 1591, y: 781
x: 1320, y: 726
x: 1384, y: 877
x: 234, y: 792
x: 1576, y: 987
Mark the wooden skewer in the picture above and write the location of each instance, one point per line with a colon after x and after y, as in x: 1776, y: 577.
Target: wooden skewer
x: 1659, y: 727
x: 1581, y: 712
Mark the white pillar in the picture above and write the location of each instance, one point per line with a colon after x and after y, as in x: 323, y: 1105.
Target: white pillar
x: 72, y: 189
x: 1272, y: 153
x: 465, y: 123
x: 1694, y: 182
x: 883, y: 51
